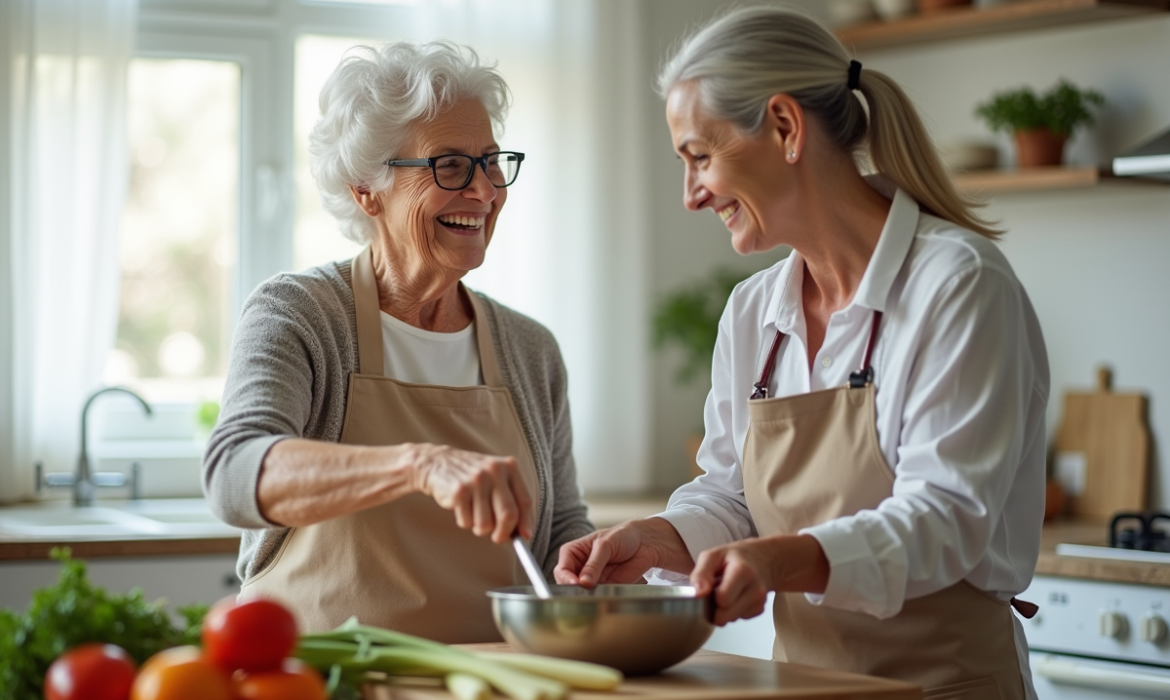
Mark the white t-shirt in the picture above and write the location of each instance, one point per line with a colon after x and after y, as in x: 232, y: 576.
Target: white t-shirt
x: 420, y: 356
x: 962, y: 383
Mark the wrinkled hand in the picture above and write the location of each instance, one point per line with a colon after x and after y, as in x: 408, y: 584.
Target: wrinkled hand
x: 485, y: 492
x: 621, y: 554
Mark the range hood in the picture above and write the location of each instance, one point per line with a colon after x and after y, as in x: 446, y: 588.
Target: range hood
x: 1151, y: 159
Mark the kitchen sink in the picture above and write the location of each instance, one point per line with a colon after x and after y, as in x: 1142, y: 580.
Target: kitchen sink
x: 86, y: 522
x: 163, y: 517
x: 186, y: 516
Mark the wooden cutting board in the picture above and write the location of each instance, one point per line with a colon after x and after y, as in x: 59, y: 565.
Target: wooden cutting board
x: 1102, y: 451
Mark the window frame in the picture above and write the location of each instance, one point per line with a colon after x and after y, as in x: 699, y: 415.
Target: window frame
x: 260, y: 36
x: 264, y: 240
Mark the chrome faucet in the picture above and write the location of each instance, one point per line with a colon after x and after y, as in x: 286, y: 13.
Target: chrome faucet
x: 84, y: 482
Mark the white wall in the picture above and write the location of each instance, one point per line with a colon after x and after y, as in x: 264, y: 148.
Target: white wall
x: 1090, y: 259
x: 684, y: 245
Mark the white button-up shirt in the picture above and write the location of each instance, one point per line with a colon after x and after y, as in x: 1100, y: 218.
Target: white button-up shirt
x: 962, y: 382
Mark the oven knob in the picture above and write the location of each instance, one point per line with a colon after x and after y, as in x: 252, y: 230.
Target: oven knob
x: 1153, y: 628
x: 1111, y: 624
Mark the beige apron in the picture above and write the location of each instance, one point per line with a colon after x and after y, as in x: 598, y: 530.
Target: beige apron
x: 405, y: 565
x: 814, y: 457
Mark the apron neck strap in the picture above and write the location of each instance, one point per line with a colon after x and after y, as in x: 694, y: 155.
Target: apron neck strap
x: 761, y: 386
x: 489, y: 363
x: 856, y: 380
x: 864, y: 375
x: 367, y: 314
x: 369, y: 324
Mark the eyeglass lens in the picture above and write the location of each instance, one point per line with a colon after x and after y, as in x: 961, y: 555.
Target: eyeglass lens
x: 455, y: 171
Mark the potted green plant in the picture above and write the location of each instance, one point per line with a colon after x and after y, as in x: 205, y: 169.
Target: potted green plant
x: 687, y: 319
x: 1040, y: 124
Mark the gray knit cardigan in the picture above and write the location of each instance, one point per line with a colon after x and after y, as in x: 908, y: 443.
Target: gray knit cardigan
x: 293, y: 352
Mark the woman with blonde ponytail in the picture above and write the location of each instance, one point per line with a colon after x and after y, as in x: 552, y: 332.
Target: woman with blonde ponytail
x: 875, y: 439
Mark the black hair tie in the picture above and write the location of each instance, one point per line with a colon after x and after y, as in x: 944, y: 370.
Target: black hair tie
x: 854, y: 75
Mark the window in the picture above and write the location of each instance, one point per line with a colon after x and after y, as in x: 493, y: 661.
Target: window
x: 222, y: 199
x: 208, y: 214
x: 179, y: 229
x: 317, y: 237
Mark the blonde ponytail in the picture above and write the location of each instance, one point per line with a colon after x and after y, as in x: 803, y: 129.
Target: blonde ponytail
x: 900, y: 149
x: 747, y: 55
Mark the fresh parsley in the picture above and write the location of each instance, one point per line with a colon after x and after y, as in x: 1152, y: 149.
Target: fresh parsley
x: 75, y: 611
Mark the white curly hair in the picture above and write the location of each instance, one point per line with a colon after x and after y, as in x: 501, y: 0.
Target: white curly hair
x: 371, y: 102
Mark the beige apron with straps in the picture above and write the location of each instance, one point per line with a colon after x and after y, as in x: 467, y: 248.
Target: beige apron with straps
x: 814, y: 457
x: 405, y: 565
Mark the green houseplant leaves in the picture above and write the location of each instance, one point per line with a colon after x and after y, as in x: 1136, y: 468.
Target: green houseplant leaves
x: 1061, y: 110
x: 688, y: 319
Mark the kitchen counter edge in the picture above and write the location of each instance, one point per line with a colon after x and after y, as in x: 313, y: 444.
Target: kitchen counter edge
x: 38, y: 549
x: 1093, y: 533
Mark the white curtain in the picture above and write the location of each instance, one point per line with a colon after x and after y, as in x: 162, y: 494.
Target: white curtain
x: 68, y: 171
x: 569, y: 245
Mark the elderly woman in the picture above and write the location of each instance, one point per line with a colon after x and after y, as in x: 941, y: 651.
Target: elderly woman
x: 385, y: 431
x: 875, y: 441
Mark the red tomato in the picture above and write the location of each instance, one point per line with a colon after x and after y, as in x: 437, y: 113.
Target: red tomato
x: 249, y: 635
x: 292, y: 681
x: 91, y: 672
x: 181, y: 673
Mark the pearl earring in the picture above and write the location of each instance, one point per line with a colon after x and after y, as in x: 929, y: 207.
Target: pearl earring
x: 792, y: 155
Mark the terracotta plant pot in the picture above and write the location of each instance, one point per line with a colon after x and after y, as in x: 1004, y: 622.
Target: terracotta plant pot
x: 928, y: 6
x: 1036, y: 147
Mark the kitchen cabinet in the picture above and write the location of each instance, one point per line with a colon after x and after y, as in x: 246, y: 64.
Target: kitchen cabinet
x: 181, y: 580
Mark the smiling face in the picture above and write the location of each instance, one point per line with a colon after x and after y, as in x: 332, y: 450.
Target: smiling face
x: 746, y: 180
x: 425, y: 228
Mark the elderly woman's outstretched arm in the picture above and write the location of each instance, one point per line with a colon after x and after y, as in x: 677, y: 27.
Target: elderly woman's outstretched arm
x: 272, y: 462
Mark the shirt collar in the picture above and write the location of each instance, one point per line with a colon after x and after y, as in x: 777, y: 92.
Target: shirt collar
x: 784, y: 308
x: 892, y: 247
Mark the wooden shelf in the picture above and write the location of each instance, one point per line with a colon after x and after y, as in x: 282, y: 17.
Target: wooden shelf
x: 1043, y: 179
x: 1028, y: 180
x: 1015, y: 16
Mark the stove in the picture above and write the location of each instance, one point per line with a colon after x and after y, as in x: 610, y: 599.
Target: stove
x: 1139, y: 531
x: 1098, y: 639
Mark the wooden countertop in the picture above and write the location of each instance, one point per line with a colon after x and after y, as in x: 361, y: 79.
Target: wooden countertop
x: 711, y: 675
x: 27, y: 549
x: 1093, y: 533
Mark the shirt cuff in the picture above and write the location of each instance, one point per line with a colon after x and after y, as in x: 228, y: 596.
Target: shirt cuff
x: 665, y: 577
x: 695, y: 526
x: 855, y: 582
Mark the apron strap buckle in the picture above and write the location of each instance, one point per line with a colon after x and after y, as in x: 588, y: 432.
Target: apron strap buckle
x: 861, y: 378
x: 761, y: 391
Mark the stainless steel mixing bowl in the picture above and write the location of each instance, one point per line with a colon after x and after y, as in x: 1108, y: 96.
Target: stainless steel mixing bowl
x: 638, y: 629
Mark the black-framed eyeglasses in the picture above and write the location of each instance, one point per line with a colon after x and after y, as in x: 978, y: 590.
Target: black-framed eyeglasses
x: 454, y: 171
